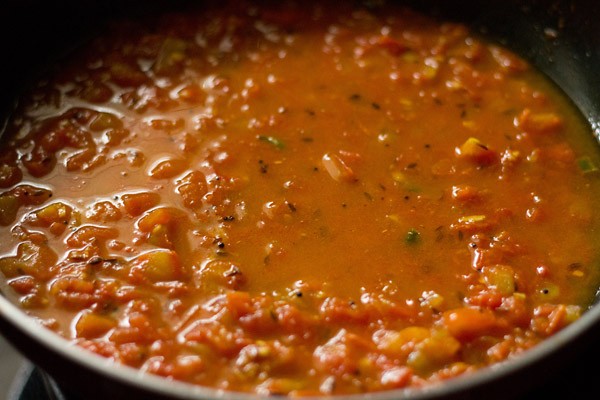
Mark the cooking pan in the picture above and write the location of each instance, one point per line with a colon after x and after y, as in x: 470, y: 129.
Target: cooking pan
x: 561, y: 38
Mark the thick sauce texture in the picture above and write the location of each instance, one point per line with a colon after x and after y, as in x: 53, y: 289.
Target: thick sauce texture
x: 299, y: 199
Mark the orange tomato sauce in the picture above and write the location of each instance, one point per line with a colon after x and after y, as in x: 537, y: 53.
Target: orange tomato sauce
x: 299, y: 199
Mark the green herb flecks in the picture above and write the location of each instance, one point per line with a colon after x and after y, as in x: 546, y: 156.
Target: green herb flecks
x: 272, y: 140
x: 412, y: 236
x: 586, y: 165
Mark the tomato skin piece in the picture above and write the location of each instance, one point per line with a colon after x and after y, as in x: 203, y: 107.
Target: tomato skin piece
x: 91, y: 325
x: 89, y: 234
x: 168, y: 168
x: 397, y: 377
x: 136, y: 203
x: 10, y: 175
x: 539, y: 123
x: 338, y: 169
x: 103, y: 212
x: 73, y: 293
x: 467, y: 324
x: 476, y: 152
x: 156, y: 266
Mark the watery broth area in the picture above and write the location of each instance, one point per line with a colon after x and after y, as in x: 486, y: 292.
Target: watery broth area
x: 291, y: 200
